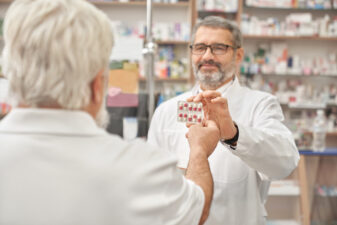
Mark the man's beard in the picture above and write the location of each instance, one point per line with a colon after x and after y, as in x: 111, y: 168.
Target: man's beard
x: 216, y: 79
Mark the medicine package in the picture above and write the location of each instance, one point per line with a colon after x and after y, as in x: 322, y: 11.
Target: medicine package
x: 190, y: 112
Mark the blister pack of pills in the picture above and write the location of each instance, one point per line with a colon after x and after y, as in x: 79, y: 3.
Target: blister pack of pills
x: 190, y: 112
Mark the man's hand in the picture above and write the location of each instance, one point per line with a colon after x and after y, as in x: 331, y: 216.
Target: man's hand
x: 216, y: 108
x: 203, y: 137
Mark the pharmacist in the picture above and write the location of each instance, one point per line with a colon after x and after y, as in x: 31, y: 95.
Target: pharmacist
x: 254, y: 147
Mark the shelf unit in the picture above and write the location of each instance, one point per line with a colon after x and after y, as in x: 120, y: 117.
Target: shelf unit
x: 233, y: 15
x: 162, y: 12
x: 135, y: 11
x: 300, y: 38
x: 321, y: 170
x: 184, y: 80
x: 283, y: 207
x: 140, y: 3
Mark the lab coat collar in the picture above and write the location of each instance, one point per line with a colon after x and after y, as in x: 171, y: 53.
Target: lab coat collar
x: 49, y: 121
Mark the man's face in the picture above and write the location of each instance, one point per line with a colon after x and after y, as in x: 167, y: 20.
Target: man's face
x: 212, y: 70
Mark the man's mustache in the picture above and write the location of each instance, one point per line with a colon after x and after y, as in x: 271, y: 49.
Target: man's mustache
x: 210, y: 62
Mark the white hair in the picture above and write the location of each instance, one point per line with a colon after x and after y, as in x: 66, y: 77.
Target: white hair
x: 53, y: 50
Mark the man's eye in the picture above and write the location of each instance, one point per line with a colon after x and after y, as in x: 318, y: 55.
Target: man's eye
x: 199, y: 48
x: 219, y: 48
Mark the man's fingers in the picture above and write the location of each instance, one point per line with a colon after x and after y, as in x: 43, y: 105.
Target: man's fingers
x: 198, y: 98
x: 190, y: 99
x: 219, y: 100
x: 210, y: 123
x: 188, y: 125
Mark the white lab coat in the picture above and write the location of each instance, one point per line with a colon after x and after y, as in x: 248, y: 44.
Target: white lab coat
x: 58, y: 168
x: 265, y: 151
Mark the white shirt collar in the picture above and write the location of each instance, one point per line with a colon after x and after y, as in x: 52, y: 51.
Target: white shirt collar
x: 49, y: 121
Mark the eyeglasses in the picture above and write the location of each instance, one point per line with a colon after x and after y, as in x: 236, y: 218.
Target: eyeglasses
x: 216, y: 49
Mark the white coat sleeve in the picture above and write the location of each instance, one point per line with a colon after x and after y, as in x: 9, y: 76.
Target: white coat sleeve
x: 267, y: 145
x: 161, y: 194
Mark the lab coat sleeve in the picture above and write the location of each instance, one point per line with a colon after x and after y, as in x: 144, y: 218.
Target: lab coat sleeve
x: 162, y: 191
x: 267, y: 145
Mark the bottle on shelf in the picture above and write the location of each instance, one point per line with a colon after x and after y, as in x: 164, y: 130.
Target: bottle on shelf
x: 319, y: 132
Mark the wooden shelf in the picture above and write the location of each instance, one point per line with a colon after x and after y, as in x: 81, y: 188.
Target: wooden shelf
x: 172, y: 42
x: 270, y: 37
x: 284, y: 188
x: 215, y: 11
x: 166, y: 79
x: 328, y: 134
x: 292, y: 9
x: 298, y: 76
x: 139, y: 3
x: 306, y: 106
x: 131, y: 3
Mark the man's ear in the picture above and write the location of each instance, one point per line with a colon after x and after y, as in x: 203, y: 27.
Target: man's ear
x: 97, y: 86
x: 239, y: 55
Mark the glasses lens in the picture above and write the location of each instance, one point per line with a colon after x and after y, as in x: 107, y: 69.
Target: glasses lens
x: 219, y: 49
x: 199, y: 49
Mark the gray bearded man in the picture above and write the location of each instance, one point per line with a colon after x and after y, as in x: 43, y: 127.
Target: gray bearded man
x: 254, y: 146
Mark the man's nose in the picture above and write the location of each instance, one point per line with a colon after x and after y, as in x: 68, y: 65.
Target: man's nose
x: 208, y: 55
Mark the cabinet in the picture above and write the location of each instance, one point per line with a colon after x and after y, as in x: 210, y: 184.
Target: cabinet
x: 321, y: 173
x: 178, y: 16
x: 300, y: 90
x: 132, y: 15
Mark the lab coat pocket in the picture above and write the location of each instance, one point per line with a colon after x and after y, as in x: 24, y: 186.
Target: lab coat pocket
x: 176, y: 142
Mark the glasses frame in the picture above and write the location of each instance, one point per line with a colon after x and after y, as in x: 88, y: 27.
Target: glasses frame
x: 212, y: 50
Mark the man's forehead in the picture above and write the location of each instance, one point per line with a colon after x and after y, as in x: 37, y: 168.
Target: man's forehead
x: 213, y: 35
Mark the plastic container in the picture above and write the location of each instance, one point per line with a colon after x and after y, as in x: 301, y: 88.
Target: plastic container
x: 319, y: 132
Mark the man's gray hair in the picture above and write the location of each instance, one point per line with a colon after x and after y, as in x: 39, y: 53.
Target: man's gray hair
x: 221, y: 23
x: 53, y: 50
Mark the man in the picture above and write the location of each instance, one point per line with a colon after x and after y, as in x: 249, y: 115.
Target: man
x: 56, y: 165
x: 254, y: 146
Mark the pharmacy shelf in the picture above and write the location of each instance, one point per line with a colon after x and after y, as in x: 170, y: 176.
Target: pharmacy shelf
x: 328, y: 134
x: 284, y: 37
x: 304, y: 106
x: 133, y: 3
x: 282, y: 222
x: 205, y: 11
x: 292, y: 9
x: 326, y: 152
x: 166, y: 79
x: 139, y: 3
x: 331, y: 76
x: 284, y: 188
x: 171, y: 42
